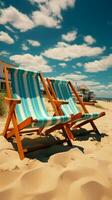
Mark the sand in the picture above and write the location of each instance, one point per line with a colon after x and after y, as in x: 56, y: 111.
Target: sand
x: 59, y: 172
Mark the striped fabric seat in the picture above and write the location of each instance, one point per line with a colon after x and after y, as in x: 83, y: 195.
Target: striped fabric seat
x: 63, y: 92
x: 26, y: 86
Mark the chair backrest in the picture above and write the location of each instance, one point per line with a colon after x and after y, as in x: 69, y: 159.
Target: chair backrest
x: 63, y: 92
x: 26, y: 86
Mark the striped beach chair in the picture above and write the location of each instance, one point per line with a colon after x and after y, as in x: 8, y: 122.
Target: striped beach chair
x: 27, y: 108
x: 64, y: 90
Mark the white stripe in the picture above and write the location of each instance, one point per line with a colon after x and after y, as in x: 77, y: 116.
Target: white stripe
x: 18, y: 96
x: 67, y: 105
x: 38, y: 97
x: 74, y: 105
x: 27, y: 95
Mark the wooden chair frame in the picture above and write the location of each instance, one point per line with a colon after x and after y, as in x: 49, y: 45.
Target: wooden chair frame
x: 75, y: 94
x: 19, y: 128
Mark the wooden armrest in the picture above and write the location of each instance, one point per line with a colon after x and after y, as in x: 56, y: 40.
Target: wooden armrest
x: 11, y: 100
x: 62, y: 101
x: 76, y: 116
x: 59, y: 101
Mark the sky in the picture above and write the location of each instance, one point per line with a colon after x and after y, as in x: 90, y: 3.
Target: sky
x: 64, y: 39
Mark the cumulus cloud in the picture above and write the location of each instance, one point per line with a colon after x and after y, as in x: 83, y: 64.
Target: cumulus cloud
x: 34, y: 43
x: 37, y: 1
x: 62, y: 44
x: 72, y: 77
x: 24, y: 47
x: 16, y: 18
x: 103, y: 90
x: 4, y: 37
x: 62, y: 64
x: 53, y: 7
x: 4, y: 53
x: 69, y: 52
x: 89, y: 39
x: 71, y: 36
x: 110, y: 86
x: 42, y: 19
x: 78, y: 64
x: 49, y: 13
x: 99, y: 65
x: 37, y: 63
x: 9, y: 28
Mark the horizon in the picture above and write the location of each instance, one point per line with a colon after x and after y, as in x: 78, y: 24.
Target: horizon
x: 65, y: 39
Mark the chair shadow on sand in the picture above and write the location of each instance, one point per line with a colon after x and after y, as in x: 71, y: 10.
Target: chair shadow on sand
x: 83, y: 134
x: 54, y: 144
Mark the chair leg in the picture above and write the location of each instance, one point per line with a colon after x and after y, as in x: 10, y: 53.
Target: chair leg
x: 68, y: 135
x: 94, y: 127
x: 85, y: 122
x: 39, y: 131
x: 10, y: 114
x: 18, y: 139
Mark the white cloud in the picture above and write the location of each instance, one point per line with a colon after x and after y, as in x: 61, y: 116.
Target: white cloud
x: 110, y: 86
x: 4, y: 37
x: 17, y: 19
x: 24, y: 47
x: 75, y: 77
x: 79, y: 64
x: 37, y: 1
x: 104, y: 93
x: 62, y: 44
x: 54, y: 7
x: 63, y: 64
x: 4, y: 53
x: 37, y: 63
x: 72, y: 51
x: 9, y: 28
x: 99, y: 65
x: 34, y: 43
x: 49, y: 13
x: 16, y: 36
x: 42, y: 19
x: 72, y: 77
x: 71, y: 36
x: 89, y: 39
x: 103, y: 90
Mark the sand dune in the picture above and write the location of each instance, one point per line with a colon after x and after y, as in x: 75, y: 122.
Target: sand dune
x: 83, y: 172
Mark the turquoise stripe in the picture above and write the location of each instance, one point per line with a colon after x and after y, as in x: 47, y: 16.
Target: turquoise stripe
x: 40, y: 96
x: 22, y: 94
x: 66, y: 96
x: 62, y: 91
x: 34, y: 101
x: 13, y: 86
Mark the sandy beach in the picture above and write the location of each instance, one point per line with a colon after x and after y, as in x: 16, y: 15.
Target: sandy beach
x: 59, y: 172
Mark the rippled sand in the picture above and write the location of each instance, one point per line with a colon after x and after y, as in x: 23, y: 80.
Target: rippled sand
x: 58, y: 172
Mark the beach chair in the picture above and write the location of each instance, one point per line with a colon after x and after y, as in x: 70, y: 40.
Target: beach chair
x: 64, y: 90
x: 27, y: 108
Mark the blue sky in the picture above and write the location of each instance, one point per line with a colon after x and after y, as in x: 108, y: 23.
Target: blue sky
x: 66, y: 39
